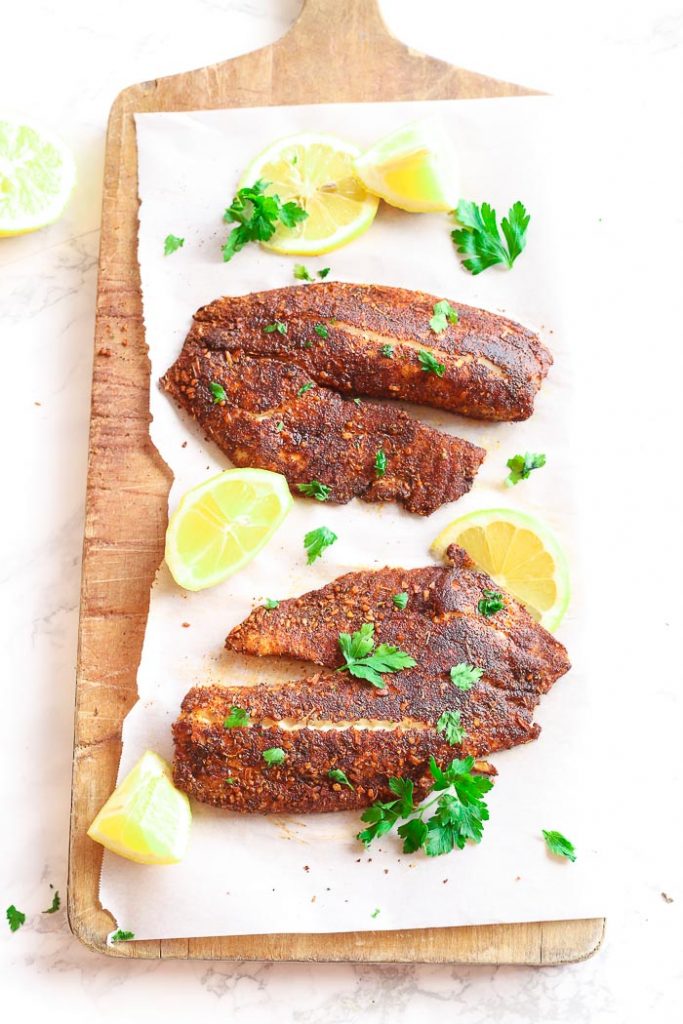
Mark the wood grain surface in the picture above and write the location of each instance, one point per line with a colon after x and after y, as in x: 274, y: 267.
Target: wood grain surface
x: 335, y: 52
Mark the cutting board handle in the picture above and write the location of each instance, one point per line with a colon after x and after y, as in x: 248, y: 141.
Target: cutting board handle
x: 343, y: 28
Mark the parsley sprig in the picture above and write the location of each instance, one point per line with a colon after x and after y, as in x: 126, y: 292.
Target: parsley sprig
x: 490, y: 603
x: 15, y: 918
x: 337, y: 775
x: 521, y: 466
x: 450, y: 725
x: 172, y: 243
x: 315, y: 489
x: 238, y: 718
x: 464, y: 676
x: 459, y: 816
x: 257, y: 216
x: 479, y: 239
x: 430, y: 364
x: 365, y: 661
x: 315, y: 542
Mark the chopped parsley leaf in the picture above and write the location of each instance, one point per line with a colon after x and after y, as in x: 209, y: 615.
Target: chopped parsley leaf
x: 430, y: 364
x: 388, y: 351
x: 490, y: 603
x: 356, y: 401
x: 274, y: 755
x: 444, y: 314
x: 122, y: 936
x: 375, y: 912
x: 279, y: 426
x: 365, y: 661
x: 400, y: 600
x: 321, y: 331
x: 450, y: 725
x: 278, y: 326
x: 15, y: 918
x: 304, y: 388
x: 55, y: 905
x: 300, y: 272
x: 316, y: 541
x: 237, y: 719
x: 559, y: 845
x: 271, y: 603
x: 337, y: 775
x: 315, y: 489
x: 172, y: 243
x: 521, y: 466
x: 218, y: 392
x: 380, y: 463
x: 464, y: 676
x: 322, y: 274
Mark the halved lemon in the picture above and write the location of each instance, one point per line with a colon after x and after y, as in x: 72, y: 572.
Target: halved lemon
x: 220, y: 525
x: 519, y: 553
x: 414, y: 168
x: 37, y: 175
x: 146, y: 819
x: 316, y: 171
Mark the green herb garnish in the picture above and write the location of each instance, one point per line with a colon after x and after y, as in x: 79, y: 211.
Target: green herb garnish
x: 337, y: 775
x: 304, y: 388
x: 450, y: 725
x: 388, y: 351
x: 321, y: 330
x: 380, y: 463
x: 316, y: 541
x: 237, y: 719
x: 490, y: 603
x: 300, y: 272
x: 274, y: 755
x: 15, y: 918
x: 257, y: 216
x: 444, y: 314
x: 271, y: 603
x: 55, y: 905
x: 464, y: 676
x: 375, y: 912
x: 277, y: 325
x: 430, y: 364
x: 279, y: 426
x: 121, y: 936
x: 172, y: 243
x: 478, y: 237
x: 230, y: 781
x: 322, y: 274
x: 521, y: 466
x: 365, y: 661
x: 315, y: 489
x: 400, y: 600
x: 218, y: 392
x: 559, y: 845
x: 459, y: 816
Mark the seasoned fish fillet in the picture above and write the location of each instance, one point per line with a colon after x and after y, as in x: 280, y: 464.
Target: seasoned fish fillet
x: 274, y: 417
x: 334, y: 720
x: 320, y: 724
x: 492, y: 367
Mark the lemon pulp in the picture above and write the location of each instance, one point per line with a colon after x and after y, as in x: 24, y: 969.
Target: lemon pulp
x: 221, y: 524
x: 37, y: 175
x: 519, y: 553
x: 317, y: 172
x: 146, y: 819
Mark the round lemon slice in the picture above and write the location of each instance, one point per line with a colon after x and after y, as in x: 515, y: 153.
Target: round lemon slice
x: 222, y: 523
x: 146, y: 819
x: 414, y: 168
x: 37, y: 175
x: 315, y: 171
x: 519, y: 553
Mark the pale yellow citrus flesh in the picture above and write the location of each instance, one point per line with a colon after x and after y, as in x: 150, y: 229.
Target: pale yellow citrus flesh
x: 415, y: 168
x: 146, y: 819
x: 519, y: 553
x: 221, y: 524
x: 37, y: 175
x: 315, y: 171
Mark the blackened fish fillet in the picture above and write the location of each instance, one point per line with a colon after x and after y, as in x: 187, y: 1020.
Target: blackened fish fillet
x: 335, y: 721
x: 271, y: 415
x: 492, y: 366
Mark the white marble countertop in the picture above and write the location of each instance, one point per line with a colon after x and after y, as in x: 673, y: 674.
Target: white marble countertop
x: 64, y: 63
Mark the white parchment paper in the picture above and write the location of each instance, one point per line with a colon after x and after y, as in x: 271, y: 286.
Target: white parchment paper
x: 261, y: 874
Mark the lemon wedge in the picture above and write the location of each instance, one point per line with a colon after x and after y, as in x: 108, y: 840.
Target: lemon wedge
x: 519, y: 553
x: 37, y: 175
x: 315, y: 171
x: 222, y: 523
x: 146, y: 819
x: 415, y: 168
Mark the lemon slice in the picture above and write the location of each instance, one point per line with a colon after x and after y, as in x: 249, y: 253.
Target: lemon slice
x: 315, y: 171
x: 519, y: 553
x: 222, y: 523
x: 146, y: 819
x: 37, y: 175
x: 414, y: 168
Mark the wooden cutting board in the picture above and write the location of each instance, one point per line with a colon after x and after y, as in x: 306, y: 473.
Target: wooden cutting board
x: 335, y: 52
